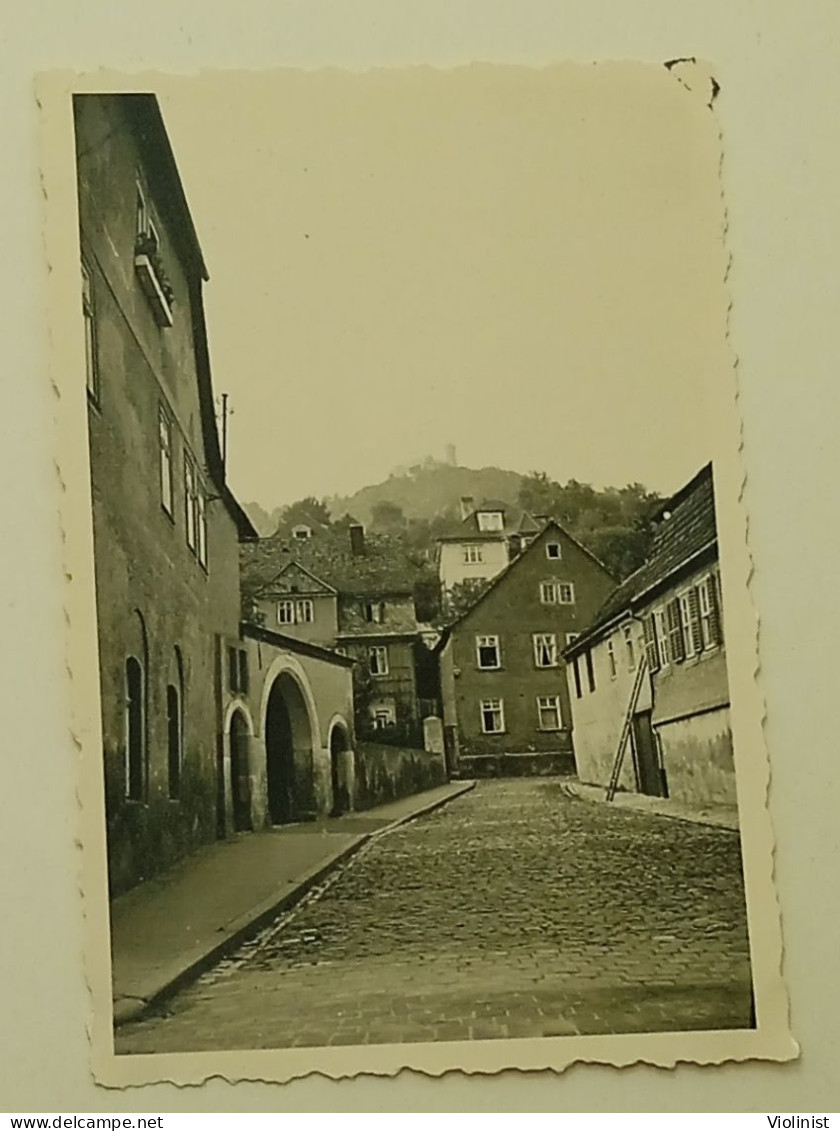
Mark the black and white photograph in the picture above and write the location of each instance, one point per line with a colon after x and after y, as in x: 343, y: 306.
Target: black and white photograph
x: 415, y: 691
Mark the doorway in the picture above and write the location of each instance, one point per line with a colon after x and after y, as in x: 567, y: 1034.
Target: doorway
x: 650, y: 776
x: 240, y: 779
x: 339, y: 750
x: 288, y: 748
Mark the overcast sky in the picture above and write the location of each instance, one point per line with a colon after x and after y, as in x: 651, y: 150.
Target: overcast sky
x: 525, y: 263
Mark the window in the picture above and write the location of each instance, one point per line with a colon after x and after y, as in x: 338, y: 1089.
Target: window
x: 709, y: 613
x: 173, y: 725
x: 690, y: 619
x: 545, y: 650
x: 676, y: 643
x: 552, y: 550
x: 373, y: 611
x: 233, y: 670
x: 651, y: 648
x: 590, y: 670
x: 165, y: 432
x: 378, y: 660
x: 557, y: 593
x: 302, y: 533
x: 304, y: 611
x: 492, y: 716
x: 91, y: 366
x: 189, y: 501
x: 629, y: 647
x: 285, y: 612
x: 135, y: 731
x: 548, y: 712
x: 611, y: 658
x: 473, y: 555
x: 487, y: 651
x: 661, y: 638
x: 142, y: 213
x: 382, y: 717
x: 244, y: 674
x: 576, y: 674
x: 490, y: 521
x: 201, y: 514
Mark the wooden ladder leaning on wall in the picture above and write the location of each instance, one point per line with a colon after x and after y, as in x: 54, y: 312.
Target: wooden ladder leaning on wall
x: 641, y: 671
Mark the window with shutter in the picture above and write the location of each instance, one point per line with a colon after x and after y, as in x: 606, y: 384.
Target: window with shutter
x: 714, y: 611
x: 675, y: 633
x: 651, y: 649
x: 694, y: 620
x: 709, y: 615
x: 661, y: 638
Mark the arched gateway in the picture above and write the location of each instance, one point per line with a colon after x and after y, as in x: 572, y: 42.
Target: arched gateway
x: 288, y: 749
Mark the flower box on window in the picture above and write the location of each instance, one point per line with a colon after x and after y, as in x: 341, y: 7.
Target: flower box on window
x: 153, y: 280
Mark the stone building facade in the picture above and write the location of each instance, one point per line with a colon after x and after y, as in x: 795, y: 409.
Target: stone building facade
x: 200, y: 721
x: 505, y: 698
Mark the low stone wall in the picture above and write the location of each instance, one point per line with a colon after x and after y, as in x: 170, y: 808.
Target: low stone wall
x: 386, y: 773
x: 531, y: 765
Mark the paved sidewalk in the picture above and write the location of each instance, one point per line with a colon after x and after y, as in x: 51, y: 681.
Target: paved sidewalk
x: 165, y: 931
x: 720, y: 816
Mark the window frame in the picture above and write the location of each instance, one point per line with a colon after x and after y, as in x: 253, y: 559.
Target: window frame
x: 492, y: 707
x: 190, y: 509
x: 496, y: 645
x: 661, y: 635
x: 201, y: 526
x: 549, y: 703
x: 166, y: 462
x: 473, y: 554
x: 304, y: 605
x: 490, y: 522
x: 611, y: 657
x: 554, y: 546
x: 285, y: 602
x: 380, y: 651
x: 629, y: 646
x: 546, y: 640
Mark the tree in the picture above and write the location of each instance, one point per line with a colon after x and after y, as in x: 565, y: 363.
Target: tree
x: 461, y: 597
x: 305, y: 511
x: 386, y: 515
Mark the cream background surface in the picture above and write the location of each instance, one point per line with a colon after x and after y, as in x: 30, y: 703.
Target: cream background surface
x: 777, y: 110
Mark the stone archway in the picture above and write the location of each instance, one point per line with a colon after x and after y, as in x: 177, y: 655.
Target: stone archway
x: 288, y: 751
x: 340, y: 771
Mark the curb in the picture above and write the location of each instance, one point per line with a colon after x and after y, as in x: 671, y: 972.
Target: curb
x: 133, y: 1008
x: 684, y: 817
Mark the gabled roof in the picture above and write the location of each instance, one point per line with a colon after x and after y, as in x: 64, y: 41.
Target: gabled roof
x: 551, y: 525
x: 319, y: 582
x: 385, y: 568
x: 685, y: 530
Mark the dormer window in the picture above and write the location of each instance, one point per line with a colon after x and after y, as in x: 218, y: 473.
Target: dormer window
x: 490, y: 521
x: 373, y: 611
x: 552, y: 550
x: 302, y: 533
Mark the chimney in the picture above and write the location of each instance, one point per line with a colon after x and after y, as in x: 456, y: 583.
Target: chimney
x: 467, y: 506
x: 357, y: 540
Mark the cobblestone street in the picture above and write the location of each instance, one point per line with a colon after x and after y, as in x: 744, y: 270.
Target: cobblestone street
x: 513, y: 911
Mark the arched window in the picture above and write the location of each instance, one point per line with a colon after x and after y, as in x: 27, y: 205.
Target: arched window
x: 175, y: 724
x: 135, y: 728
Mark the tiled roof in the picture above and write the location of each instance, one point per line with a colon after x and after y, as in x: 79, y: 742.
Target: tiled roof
x: 385, y: 567
x: 515, y: 520
x: 686, y: 526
